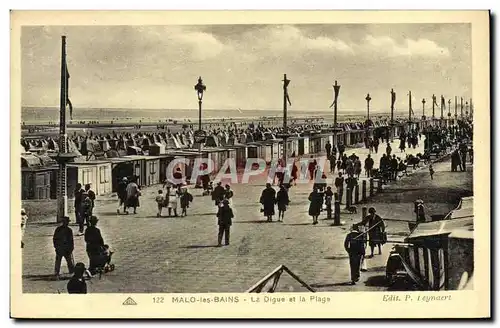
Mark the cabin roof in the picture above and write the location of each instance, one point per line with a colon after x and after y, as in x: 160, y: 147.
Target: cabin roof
x: 88, y: 163
x: 442, y: 227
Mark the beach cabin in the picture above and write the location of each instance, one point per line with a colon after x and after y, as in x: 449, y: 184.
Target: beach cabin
x: 254, y: 150
x: 436, y: 255
x: 123, y: 167
x: 148, y: 168
x: 267, y: 151
x: 97, y: 173
x: 240, y: 154
x: 314, y: 142
x: 37, y: 180
x: 190, y: 156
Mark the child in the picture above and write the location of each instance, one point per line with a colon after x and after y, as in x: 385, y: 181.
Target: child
x: 186, y: 198
x: 160, y: 200
x: 431, y: 171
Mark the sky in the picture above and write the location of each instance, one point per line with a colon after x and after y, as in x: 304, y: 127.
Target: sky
x: 242, y: 66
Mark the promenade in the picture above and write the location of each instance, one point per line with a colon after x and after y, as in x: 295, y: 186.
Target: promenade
x: 174, y: 255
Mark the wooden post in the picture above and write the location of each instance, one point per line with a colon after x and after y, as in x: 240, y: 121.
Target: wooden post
x: 348, y: 199
x: 363, y: 191
x: 356, y: 194
x: 371, y: 187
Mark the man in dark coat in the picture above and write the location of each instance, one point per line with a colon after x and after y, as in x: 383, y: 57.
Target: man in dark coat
x: 122, y: 195
x: 77, y: 284
x: 328, y: 148
x: 369, y: 165
x: 351, y: 183
x: 94, y: 241
x: 375, y: 145
x: 339, y: 184
x: 218, y: 193
x: 341, y: 148
x: 376, y: 230
x: 354, y: 245
x: 394, y: 167
x: 333, y: 163
x: 78, y: 194
x: 225, y: 220
x: 63, y: 245
x: 268, y: 199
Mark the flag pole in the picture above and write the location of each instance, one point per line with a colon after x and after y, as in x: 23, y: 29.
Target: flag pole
x: 62, y: 197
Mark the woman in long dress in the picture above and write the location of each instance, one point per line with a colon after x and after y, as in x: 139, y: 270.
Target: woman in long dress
x: 282, y: 200
x: 171, y: 198
x: 316, y: 202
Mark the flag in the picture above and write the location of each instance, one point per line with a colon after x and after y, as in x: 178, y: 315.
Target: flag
x: 393, y: 98
x: 68, y: 101
x: 434, y: 102
x: 285, y: 88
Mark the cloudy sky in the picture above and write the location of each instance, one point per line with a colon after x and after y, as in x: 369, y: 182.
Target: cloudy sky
x: 243, y: 65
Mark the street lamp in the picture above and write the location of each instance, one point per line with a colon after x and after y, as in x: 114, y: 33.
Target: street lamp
x: 368, y: 98
x: 200, y: 88
x: 423, y: 109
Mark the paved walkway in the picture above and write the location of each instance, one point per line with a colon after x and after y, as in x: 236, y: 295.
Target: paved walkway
x: 179, y: 254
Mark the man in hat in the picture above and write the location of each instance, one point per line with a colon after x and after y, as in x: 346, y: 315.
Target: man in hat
x: 354, y: 245
x: 77, y: 284
x: 224, y: 219
x: 63, y: 245
x: 376, y: 230
x: 78, y: 195
x: 94, y: 241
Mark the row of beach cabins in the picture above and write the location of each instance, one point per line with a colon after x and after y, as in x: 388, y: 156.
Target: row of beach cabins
x: 102, y: 161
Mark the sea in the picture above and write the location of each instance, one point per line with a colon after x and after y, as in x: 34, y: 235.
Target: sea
x: 40, y: 115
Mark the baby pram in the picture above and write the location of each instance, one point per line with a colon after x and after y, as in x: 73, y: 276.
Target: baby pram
x: 103, y: 260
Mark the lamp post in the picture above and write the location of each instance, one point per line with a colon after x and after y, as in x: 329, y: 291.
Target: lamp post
x: 200, y: 135
x: 200, y: 89
x: 368, y: 98
x: 423, y: 109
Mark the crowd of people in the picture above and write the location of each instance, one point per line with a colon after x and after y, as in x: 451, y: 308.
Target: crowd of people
x: 348, y: 169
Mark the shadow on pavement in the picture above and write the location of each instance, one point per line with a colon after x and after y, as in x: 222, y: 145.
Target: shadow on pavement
x: 402, y: 284
x: 256, y: 221
x: 299, y: 224
x: 199, y: 246
x: 44, y: 223
x: 45, y: 277
x: 336, y: 257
